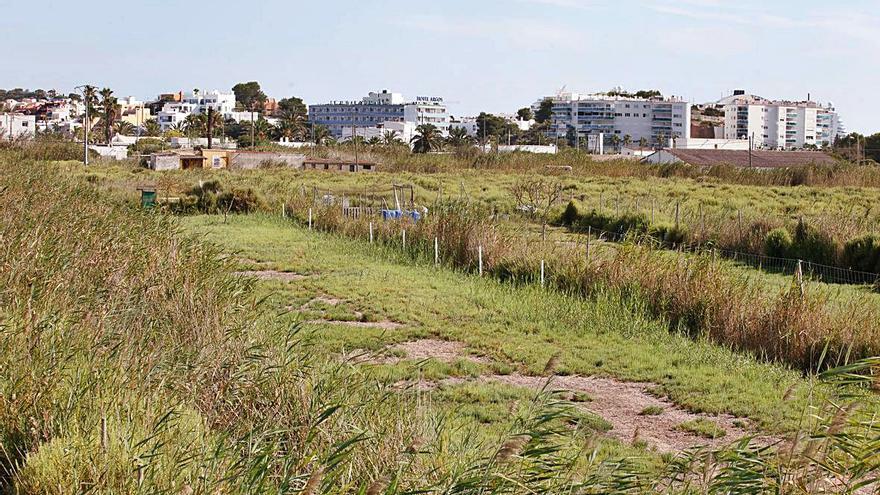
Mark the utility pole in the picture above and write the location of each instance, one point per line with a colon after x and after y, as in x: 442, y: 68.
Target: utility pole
x: 253, y: 129
x: 85, y: 124
x: 354, y: 140
x: 210, y: 125
x: 751, y: 138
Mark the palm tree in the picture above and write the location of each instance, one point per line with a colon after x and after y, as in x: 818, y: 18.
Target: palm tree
x: 152, y: 128
x: 262, y: 130
x: 627, y: 140
x: 643, y: 141
x: 390, y: 137
x: 615, y: 141
x: 124, y: 128
x: 661, y: 139
x: 428, y: 139
x: 109, y: 112
x: 374, y: 141
x: 320, y: 134
x: 458, y: 137
x: 292, y: 129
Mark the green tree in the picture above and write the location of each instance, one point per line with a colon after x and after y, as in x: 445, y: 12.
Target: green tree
x: 294, y: 114
x: 494, y: 126
x: 123, y: 128
x: 427, y: 139
x: 627, y: 140
x: 458, y: 137
x: 260, y: 133
x: 615, y: 141
x: 109, y: 112
x: 643, y: 142
x: 391, y: 138
x: 525, y: 113
x: 152, y: 128
x: 648, y: 93
x: 321, y: 134
x: 249, y: 96
x: 545, y: 111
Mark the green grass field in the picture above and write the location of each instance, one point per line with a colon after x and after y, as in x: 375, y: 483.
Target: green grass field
x: 517, y: 328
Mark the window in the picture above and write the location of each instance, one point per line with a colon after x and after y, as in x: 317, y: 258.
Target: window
x: 626, y: 114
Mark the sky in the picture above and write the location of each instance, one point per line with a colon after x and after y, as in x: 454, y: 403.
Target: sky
x: 480, y: 55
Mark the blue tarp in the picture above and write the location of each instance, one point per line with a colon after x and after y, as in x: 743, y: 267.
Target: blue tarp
x: 398, y: 214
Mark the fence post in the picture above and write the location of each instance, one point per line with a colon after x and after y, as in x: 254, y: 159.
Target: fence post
x: 739, y: 223
x: 283, y: 210
x: 542, y: 273
x: 589, y: 236
x: 371, y: 232
x: 799, y: 277
x: 601, y: 201
x: 677, y: 204
x: 480, y: 259
x: 652, y: 210
x: 310, y: 219
x: 436, y: 252
x: 404, y: 238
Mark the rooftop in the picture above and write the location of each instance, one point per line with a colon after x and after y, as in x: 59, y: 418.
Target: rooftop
x: 760, y: 158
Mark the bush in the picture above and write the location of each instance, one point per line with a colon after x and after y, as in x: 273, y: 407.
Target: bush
x: 240, y: 201
x: 812, y: 245
x: 863, y: 253
x: 625, y: 224
x: 777, y: 243
x: 570, y: 216
x: 668, y: 233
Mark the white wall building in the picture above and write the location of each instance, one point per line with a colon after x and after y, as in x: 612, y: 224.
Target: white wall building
x: 469, y: 124
x: 779, y: 124
x: 17, y: 126
x: 379, y: 110
x: 655, y: 119
x: 196, y: 102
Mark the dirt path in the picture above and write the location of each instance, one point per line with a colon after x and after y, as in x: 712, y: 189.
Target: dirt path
x: 271, y: 275
x: 634, y: 413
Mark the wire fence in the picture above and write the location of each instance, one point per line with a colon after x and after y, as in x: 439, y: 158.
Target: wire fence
x: 696, y: 218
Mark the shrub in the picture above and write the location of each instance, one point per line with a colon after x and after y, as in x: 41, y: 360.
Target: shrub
x: 240, y: 201
x: 570, y: 216
x: 668, y: 233
x: 777, y: 243
x: 811, y: 244
x: 863, y: 253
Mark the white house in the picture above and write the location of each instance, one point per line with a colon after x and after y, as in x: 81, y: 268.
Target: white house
x: 17, y: 126
x: 196, y: 102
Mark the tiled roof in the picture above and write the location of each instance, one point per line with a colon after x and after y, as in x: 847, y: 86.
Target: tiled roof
x: 760, y: 158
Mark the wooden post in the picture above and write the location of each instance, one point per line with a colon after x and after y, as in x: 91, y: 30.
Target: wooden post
x: 542, y: 273
x: 652, y: 210
x: 601, y: 201
x: 589, y: 236
x: 677, y: 205
x: 283, y: 210
x: 739, y: 223
x: 371, y: 232
x: 436, y: 251
x: 480, y: 259
x: 404, y: 238
x: 799, y: 277
x: 310, y: 219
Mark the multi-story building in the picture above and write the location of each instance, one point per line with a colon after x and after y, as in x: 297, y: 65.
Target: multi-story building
x: 778, y: 124
x: 655, y: 119
x: 196, y: 102
x: 377, y: 109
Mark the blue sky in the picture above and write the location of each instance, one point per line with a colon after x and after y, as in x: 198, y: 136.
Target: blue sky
x: 493, y: 55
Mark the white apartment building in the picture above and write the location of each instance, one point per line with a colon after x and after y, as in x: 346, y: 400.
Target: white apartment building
x: 655, y: 119
x: 380, y: 110
x: 778, y: 124
x: 17, y: 126
x: 196, y: 102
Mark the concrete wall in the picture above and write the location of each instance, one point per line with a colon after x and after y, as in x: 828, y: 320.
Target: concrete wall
x: 164, y: 162
x: 246, y: 160
x: 115, y: 152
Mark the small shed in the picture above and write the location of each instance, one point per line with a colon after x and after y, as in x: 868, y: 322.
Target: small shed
x: 215, y: 159
x: 165, y: 161
x: 338, y: 165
